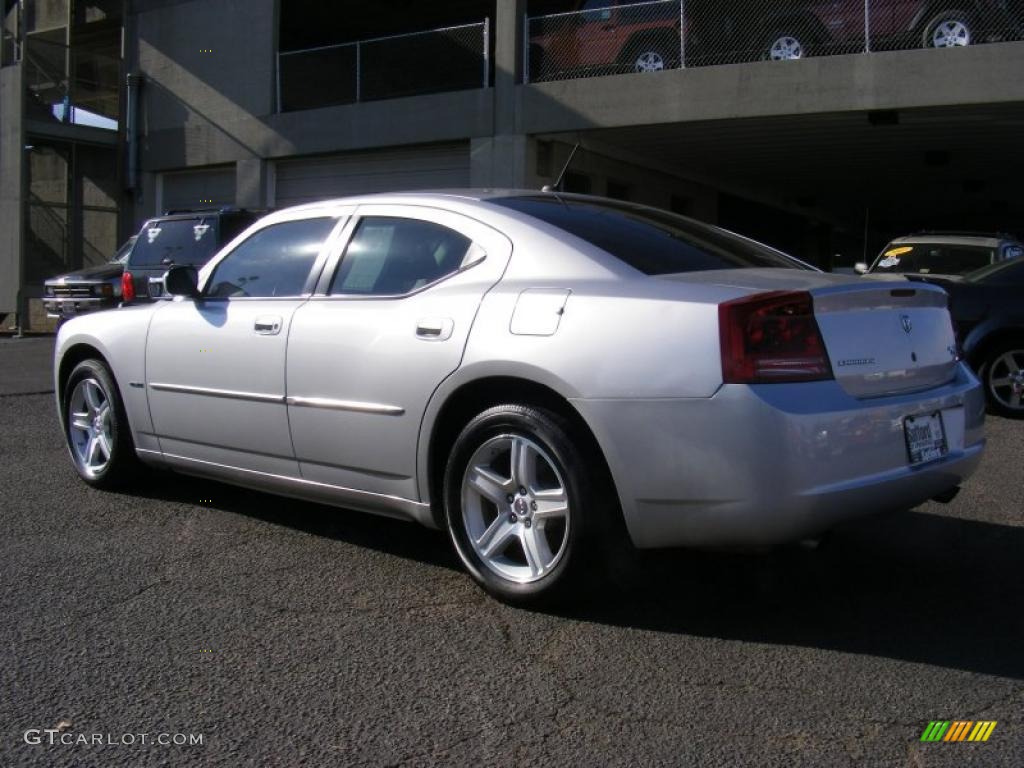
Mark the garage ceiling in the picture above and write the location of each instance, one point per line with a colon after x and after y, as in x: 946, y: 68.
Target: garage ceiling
x: 942, y: 168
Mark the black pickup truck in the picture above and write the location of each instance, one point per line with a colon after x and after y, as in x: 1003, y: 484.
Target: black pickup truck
x: 178, y: 238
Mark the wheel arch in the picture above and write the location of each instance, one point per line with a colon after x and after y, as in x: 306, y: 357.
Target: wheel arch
x: 797, y: 21
x: 475, y: 396
x: 659, y: 35
x: 980, y: 348
x: 928, y: 11
x: 71, y: 357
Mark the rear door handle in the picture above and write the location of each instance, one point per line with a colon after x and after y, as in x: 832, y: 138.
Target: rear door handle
x: 435, y: 328
x: 267, y: 325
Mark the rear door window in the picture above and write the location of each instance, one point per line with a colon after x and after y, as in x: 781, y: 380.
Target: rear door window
x: 391, y: 256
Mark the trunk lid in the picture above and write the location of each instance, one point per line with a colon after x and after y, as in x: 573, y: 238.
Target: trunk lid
x: 882, y: 336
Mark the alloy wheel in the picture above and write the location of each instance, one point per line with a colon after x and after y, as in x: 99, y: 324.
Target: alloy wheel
x: 515, y: 508
x: 786, y: 48
x: 1006, y: 379
x: 649, y: 61
x: 951, y: 33
x: 89, y: 426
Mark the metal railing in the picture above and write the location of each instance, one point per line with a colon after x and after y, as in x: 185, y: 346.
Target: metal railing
x: 436, y: 60
x: 626, y: 37
x: 67, y: 78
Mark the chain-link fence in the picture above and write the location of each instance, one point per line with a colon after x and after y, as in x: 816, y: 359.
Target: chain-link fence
x: 449, y: 59
x: 603, y: 37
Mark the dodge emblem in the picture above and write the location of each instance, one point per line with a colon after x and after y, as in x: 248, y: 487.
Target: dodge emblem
x: 907, y: 325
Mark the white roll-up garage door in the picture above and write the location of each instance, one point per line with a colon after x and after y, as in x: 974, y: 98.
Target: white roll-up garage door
x: 199, y: 188
x: 317, y: 178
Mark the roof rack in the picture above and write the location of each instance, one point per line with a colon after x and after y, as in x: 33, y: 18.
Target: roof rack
x: 222, y: 209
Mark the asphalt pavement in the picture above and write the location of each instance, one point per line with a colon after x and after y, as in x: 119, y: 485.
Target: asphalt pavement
x: 283, y: 633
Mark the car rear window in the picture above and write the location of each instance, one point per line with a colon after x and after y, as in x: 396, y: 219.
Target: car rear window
x: 933, y: 258
x: 183, y: 241
x: 653, y: 242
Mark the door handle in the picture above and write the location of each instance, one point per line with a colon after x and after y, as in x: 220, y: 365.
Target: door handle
x: 267, y: 325
x: 435, y: 328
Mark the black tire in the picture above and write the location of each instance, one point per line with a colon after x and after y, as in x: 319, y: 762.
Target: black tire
x: 122, y: 464
x: 590, y: 503
x: 949, y: 16
x: 1000, y: 397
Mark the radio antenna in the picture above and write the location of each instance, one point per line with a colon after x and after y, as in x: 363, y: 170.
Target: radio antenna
x: 557, y: 186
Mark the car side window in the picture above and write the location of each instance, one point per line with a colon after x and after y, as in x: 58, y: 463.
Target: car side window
x: 275, y: 261
x: 597, y: 10
x: 390, y: 256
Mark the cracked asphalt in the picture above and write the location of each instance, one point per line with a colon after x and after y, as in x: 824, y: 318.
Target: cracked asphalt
x: 288, y: 634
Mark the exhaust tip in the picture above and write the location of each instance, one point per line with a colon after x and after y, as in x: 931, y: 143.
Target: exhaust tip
x: 947, y: 496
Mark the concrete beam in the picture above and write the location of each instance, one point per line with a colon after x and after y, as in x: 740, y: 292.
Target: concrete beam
x: 218, y: 137
x: 982, y: 74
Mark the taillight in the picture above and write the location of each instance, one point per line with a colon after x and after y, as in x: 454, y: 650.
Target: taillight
x: 127, y: 287
x: 771, y: 337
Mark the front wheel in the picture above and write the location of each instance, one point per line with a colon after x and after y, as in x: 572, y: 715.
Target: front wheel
x: 1003, y: 374
x: 518, y: 506
x: 784, y: 45
x: 96, y: 427
x: 949, y: 29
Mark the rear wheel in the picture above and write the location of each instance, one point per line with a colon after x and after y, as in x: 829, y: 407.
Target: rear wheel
x: 1003, y: 375
x: 518, y: 505
x: 96, y: 427
x: 949, y: 29
x: 650, y: 55
x: 786, y: 45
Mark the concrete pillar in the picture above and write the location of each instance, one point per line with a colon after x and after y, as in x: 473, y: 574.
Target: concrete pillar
x: 502, y: 159
x: 251, y: 183
x: 12, y: 188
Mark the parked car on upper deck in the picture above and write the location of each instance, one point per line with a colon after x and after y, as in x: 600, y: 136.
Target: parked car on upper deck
x: 801, y: 28
x: 943, y: 253
x: 544, y: 376
x: 603, y: 37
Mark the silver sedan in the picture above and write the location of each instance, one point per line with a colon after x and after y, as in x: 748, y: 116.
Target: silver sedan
x: 545, y: 376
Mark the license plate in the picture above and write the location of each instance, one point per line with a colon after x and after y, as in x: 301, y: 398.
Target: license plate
x: 67, y: 309
x: 926, y: 438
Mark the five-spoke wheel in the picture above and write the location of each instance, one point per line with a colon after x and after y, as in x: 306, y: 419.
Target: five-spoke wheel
x: 949, y: 29
x: 515, y: 508
x: 1003, y: 374
x: 89, y: 426
x: 96, y: 427
x: 522, y: 506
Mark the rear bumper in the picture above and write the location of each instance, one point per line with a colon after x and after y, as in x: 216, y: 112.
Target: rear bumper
x: 760, y: 465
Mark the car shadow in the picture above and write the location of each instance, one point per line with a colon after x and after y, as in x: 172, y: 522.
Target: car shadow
x: 915, y: 586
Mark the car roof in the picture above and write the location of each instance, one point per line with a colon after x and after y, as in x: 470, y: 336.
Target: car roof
x: 984, y: 241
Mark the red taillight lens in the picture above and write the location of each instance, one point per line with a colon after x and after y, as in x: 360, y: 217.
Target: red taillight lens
x: 771, y: 337
x: 127, y: 288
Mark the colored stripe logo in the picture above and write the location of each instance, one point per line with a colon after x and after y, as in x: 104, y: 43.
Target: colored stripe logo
x: 958, y: 730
